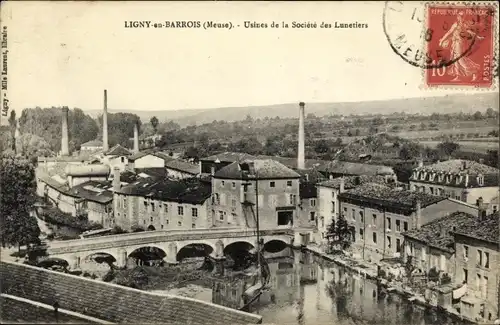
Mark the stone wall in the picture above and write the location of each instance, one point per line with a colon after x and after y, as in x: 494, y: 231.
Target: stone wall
x: 112, y: 302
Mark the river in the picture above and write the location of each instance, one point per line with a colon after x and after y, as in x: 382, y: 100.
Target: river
x: 307, y: 290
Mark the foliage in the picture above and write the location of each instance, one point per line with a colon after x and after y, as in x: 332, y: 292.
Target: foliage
x: 339, y: 234
x: 409, y: 268
x: 446, y: 278
x: 433, y: 275
x: 154, y: 123
x: 136, y: 228
x: 55, y: 216
x: 121, y: 127
x: 46, y: 124
x: 409, y: 151
x: 19, y: 226
x: 448, y: 147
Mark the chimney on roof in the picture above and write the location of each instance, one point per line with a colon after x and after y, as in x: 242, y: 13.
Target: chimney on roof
x: 105, y: 145
x: 418, y: 214
x: 116, y: 179
x: 136, y: 138
x: 65, y: 135
x: 479, y: 202
x: 301, y: 149
x: 342, y: 185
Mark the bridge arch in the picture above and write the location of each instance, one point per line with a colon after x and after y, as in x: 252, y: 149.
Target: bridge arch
x: 100, y: 257
x: 275, y: 246
x: 148, y: 255
x: 194, y: 250
x: 151, y: 228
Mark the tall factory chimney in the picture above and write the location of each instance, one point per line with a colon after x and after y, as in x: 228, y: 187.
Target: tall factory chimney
x: 301, y: 151
x: 105, y: 145
x: 136, y: 138
x: 65, y: 135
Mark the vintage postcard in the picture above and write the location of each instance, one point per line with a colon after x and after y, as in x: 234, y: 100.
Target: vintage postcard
x: 211, y: 163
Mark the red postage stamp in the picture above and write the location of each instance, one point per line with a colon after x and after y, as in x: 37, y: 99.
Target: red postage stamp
x: 463, y: 45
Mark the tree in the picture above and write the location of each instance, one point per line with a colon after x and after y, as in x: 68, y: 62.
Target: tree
x: 448, y: 147
x: 477, y: 116
x: 154, y: 123
x: 491, y: 113
x: 12, y: 124
x: 409, y: 151
x: 19, y: 226
x: 339, y: 234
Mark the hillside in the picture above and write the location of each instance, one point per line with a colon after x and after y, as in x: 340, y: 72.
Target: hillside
x: 449, y: 104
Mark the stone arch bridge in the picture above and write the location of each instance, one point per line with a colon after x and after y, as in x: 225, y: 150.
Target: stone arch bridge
x: 121, y: 246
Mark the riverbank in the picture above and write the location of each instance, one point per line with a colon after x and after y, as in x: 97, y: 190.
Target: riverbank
x: 370, y: 271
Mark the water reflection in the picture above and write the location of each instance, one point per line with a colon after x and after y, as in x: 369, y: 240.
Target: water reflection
x: 306, y: 290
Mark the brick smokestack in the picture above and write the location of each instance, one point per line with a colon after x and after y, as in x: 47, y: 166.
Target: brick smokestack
x: 301, y: 150
x: 64, y: 135
x: 105, y: 145
x: 136, y: 138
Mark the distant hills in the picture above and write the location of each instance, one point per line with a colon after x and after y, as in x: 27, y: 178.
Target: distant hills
x: 444, y: 104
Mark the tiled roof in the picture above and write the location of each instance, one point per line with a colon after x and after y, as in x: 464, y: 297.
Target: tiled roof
x: 310, y: 175
x: 439, y: 233
x: 128, y: 177
x: 352, y: 181
x: 456, y: 166
x: 262, y: 169
x: 352, y: 168
x: 118, y: 150
x: 486, y: 229
x: 182, y: 166
x: 96, y: 191
x: 92, y: 143
x: 138, y: 155
x: 112, y: 302
x: 190, y: 190
x: 385, y: 195
x: 229, y: 157
x: 152, y: 172
x: 292, y: 162
x: 308, y: 190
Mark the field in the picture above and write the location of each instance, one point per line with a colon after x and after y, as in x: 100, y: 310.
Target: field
x: 470, y: 146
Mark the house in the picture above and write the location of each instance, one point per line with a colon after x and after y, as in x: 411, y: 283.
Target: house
x: 263, y: 189
x: 432, y: 246
x: 337, y: 168
x: 476, y: 264
x: 145, y: 159
x: 459, y: 179
x: 379, y: 214
x: 116, y: 157
x: 93, y: 145
x: 212, y: 164
x: 494, y: 205
x: 80, y: 174
x: 96, y: 201
x: 154, y: 204
x: 308, y: 207
x: 328, y: 201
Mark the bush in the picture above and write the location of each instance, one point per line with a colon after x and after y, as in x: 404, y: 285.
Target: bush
x: 445, y: 279
x: 55, y: 216
x: 117, y: 230
x: 136, y: 228
x: 433, y: 275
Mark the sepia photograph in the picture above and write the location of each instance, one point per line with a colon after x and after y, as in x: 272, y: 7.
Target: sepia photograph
x: 239, y: 162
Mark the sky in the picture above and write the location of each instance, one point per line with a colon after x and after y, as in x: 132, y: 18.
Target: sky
x: 66, y: 53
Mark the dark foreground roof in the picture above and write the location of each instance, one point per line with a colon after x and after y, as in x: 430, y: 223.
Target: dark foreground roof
x: 112, y: 302
x: 390, y: 197
x: 96, y: 191
x: 486, y: 229
x: 159, y: 172
x: 189, y: 190
x: 182, y: 166
x: 439, y: 233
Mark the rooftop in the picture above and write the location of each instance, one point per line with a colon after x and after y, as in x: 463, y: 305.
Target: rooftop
x: 229, y: 157
x: 291, y: 162
x: 151, y: 172
x: 112, y: 302
x: 352, y: 168
x: 190, y: 190
x: 456, y: 166
x: 118, y: 150
x: 352, y: 181
x: 310, y: 175
x: 439, y: 233
x: 389, y: 196
x: 138, y: 155
x: 96, y: 191
x: 263, y: 169
x: 486, y: 229
x: 182, y: 166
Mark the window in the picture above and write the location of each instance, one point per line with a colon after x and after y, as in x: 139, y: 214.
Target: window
x: 233, y: 203
x: 145, y: 204
x: 405, y: 226
x: 389, y: 223
x: 361, y: 234
x: 193, y: 225
x: 312, y: 215
x: 289, y: 183
x: 292, y: 199
x: 478, y: 281
x: 398, y: 225
x: 222, y: 183
x: 161, y: 226
x: 166, y: 207
x: 180, y: 211
x: 487, y: 260
x: 167, y: 222
x: 194, y: 212
x: 389, y: 241
x: 466, y: 252
x: 374, y: 237
x: 179, y: 223
x: 272, y: 184
x: 124, y: 201
x: 312, y: 202
x: 480, y: 180
x: 123, y: 159
x: 153, y: 206
x: 217, y: 198
x: 361, y: 216
x: 431, y: 189
x: 233, y: 184
x: 353, y: 215
x: 374, y: 219
x: 333, y: 206
x: 221, y: 215
x: 151, y: 219
x: 479, y: 257
x: 398, y: 245
x: 466, y: 276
